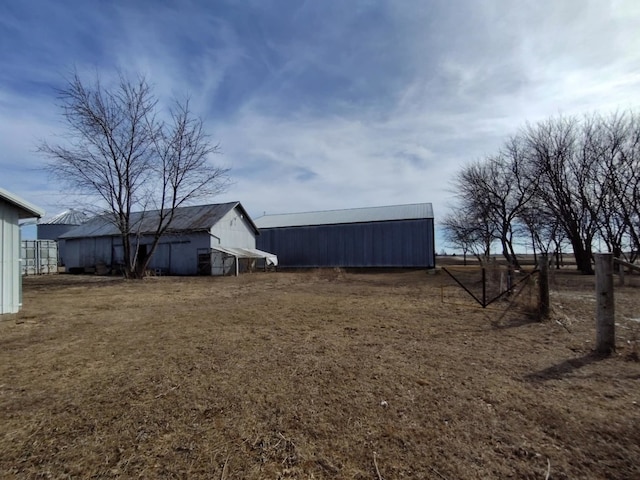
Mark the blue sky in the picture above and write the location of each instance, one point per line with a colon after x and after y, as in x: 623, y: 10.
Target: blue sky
x: 322, y: 104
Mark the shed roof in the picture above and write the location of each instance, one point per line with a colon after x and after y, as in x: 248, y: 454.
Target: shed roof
x: 353, y: 215
x: 186, y: 219
x: 25, y: 209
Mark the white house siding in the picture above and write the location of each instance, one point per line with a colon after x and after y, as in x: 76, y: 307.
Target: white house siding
x: 233, y: 230
x: 10, y: 284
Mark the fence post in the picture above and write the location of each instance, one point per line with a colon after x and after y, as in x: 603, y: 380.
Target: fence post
x: 484, y: 287
x: 605, y: 310
x: 544, y: 286
x: 621, y: 274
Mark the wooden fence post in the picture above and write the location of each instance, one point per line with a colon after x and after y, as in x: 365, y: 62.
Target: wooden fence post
x: 605, y: 310
x: 621, y: 274
x: 544, y: 286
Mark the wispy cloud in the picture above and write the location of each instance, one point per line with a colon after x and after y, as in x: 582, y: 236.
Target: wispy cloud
x: 327, y: 104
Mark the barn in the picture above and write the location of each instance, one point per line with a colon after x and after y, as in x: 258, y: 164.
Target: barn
x: 217, y: 239
x: 387, y: 236
x: 12, y: 210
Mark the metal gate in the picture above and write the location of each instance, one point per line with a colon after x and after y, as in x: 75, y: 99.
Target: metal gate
x: 39, y: 257
x: 487, y: 285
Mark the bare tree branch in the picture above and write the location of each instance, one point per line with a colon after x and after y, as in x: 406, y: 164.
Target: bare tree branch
x: 119, y: 152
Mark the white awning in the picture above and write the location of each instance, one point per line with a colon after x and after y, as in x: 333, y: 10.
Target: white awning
x: 270, y: 258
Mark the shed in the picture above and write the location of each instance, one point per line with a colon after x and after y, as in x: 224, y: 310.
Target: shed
x: 189, y: 247
x: 387, y: 236
x: 12, y: 210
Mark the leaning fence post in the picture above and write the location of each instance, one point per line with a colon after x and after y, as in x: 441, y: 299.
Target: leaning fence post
x: 544, y: 286
x: 605, y: 312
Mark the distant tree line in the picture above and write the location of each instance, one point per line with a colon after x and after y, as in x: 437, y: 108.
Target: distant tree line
x: 566, y: 180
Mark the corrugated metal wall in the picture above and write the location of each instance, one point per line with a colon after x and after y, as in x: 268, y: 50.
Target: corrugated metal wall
x: 87, y: 252
x: 175, y: 254
x: 402, y: 243
x: 10, y: 279
x: 51, y: 231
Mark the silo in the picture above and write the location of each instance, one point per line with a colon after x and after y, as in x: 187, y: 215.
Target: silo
x: 63, y: 222
x: 52, y: 228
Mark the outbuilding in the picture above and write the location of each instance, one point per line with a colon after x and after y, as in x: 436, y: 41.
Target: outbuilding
x: 217, y: 239
x: 387, y: 236
x: 12, y: 210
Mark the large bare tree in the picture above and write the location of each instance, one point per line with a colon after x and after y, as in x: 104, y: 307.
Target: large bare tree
x: 564, y: 173
x: 497, y: 190
x: 121, y: 151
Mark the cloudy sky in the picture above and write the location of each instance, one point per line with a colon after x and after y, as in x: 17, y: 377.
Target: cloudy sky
x: 322, y: 104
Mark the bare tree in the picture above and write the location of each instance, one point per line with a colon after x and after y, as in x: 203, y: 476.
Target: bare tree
x: 542, y: 229
x: 469, y: 233
x: 120, y: 152
x: 564, y: 174
x: 497, y: 190
x: 616, y: 144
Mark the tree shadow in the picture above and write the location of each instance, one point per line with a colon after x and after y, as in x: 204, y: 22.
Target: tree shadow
x: 562, y: 369
x: 514, y: 320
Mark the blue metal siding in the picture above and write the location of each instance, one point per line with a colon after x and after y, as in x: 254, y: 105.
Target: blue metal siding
x: 401, y: 243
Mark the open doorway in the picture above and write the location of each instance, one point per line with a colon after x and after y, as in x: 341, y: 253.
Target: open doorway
x: 140, y: 256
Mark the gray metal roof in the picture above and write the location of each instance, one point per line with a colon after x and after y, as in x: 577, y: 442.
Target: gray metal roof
x: 353, y: 215
x: 25, y: 209
x: 68, y: 217
x: 187, y: 219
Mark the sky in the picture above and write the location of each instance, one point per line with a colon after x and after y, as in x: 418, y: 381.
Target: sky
x: 321, y: 104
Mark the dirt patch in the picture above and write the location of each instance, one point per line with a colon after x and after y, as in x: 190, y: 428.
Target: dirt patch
x: 321, y: 374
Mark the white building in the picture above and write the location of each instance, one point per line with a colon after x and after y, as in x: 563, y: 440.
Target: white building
x: 217, y: 239
x: 12, y: 210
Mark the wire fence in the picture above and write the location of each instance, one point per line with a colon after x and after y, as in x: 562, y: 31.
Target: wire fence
x: 494, y: 285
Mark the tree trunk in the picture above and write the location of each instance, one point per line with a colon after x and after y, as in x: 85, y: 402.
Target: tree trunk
x: 582, y: 256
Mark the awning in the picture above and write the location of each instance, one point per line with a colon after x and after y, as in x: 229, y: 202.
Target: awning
x: 270, y: 258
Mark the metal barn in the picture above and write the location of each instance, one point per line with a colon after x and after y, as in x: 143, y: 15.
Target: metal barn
x: 12, y: 210
x: 389, y: 236
x: 190, y: 246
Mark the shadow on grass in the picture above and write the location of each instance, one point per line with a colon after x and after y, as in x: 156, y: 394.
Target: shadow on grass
x: 511, y: 319
x: 562, y: 369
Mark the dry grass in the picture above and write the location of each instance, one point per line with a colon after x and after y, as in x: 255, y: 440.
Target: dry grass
x: 323, y: 374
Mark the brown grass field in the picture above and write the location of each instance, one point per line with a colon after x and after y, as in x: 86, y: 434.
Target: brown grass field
x: 314, y: 375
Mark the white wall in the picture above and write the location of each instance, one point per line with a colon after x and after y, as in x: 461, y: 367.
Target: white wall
x: 10, y: 278
x: 233, y: 230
